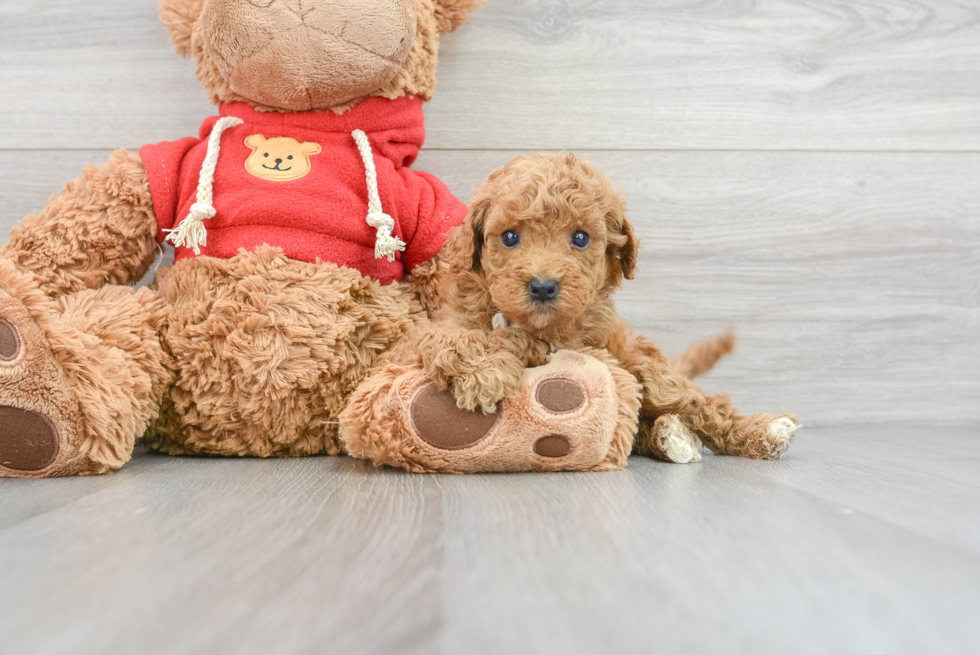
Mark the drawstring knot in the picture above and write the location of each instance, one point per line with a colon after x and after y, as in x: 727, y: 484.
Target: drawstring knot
x: 191, y: 232
x: 385, y: 243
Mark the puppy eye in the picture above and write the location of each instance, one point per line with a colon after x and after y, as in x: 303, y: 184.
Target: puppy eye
x: 289, y: 157
x: 510, y: 239
x: 580, y: 239
x: 266, y: 155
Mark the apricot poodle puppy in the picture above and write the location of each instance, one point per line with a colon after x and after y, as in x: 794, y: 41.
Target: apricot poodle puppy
x: 533, y: 269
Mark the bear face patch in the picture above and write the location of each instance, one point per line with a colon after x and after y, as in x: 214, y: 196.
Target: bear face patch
x: 279, y: 159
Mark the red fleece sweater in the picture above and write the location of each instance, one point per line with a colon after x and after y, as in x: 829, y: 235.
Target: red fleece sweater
x: 321, y: 214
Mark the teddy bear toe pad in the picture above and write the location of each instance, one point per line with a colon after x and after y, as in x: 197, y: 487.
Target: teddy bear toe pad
x: 441, y: 424
x: 554, y: 445
x: 9, y: 341
x: 560, y: 395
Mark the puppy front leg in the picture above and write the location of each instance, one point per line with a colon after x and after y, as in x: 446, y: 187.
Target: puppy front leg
x: 479, y: 368
x: 713, y: 418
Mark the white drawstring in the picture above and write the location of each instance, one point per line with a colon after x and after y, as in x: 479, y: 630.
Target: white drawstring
x: 191, y: 232
x: 385, y: 243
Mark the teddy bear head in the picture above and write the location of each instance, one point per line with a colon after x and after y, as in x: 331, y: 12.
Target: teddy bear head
x: 301, y: 55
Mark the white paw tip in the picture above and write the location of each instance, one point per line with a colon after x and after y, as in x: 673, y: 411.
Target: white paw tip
x: 679, y: 444
x: 782, y: 431
x: 500, y: 321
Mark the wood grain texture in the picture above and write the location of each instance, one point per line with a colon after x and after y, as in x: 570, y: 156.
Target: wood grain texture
x: 850, y: 278
x: 824, y: 552
x: 551, y: 74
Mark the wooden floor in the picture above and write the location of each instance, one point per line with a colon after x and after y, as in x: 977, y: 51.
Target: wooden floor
x: 807, y: 171
x: 863, y: 540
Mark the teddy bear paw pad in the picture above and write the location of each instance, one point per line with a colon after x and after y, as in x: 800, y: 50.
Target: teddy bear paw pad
x: 441, y: 424
x: 28, y: 440
x: 40, y: 425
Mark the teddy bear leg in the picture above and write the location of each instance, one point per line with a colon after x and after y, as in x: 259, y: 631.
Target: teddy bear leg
x: 80, y: 377
x: 268, y: 350
x: 576, y: 413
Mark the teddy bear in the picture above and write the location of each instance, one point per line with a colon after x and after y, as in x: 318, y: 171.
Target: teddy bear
x: 304, y: 247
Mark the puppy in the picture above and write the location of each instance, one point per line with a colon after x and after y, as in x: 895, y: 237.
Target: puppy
x: 534, y: 268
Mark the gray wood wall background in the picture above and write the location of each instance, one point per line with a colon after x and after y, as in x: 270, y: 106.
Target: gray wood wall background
x: 807, y: 171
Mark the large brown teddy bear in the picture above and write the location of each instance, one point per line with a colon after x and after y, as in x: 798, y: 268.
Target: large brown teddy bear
x: 308, y: 220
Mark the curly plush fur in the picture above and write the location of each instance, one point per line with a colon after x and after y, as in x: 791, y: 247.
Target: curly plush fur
x: 268, y: 350
x: 545, y: 200
x: 254, y: 355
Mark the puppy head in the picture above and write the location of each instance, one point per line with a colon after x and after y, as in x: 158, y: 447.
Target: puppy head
x: 546, y: 236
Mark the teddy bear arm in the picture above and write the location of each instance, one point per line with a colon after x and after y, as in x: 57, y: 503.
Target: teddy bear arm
x: 101, y: 229
x: 430, y: 281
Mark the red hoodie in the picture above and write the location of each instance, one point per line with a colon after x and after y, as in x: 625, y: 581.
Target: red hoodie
x: 313, y: 201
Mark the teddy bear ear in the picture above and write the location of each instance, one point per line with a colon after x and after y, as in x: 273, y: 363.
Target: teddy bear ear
x: 254, y: 141
x: 450, y: 14
x: 179, y: 16
x: 310, y: 148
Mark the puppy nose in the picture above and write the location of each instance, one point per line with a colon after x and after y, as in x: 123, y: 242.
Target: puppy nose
x: 278, y: 161
x: 542, y: 290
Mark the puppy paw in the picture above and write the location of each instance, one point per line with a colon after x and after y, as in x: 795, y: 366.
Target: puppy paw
x: 668, y: 440
x: 678, y: 444
x: 482, y: 382
x: 779, y: 435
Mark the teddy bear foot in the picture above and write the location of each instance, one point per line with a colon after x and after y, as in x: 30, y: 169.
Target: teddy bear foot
x: 40, y: 426
x: 574, y: 414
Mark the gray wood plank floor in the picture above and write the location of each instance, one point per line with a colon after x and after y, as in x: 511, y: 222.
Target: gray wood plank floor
x: 863, y: 540
x: 803, y: 170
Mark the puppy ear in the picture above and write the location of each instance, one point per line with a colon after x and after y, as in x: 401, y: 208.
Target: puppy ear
x: 629, y: 253
x: 179, y: 16
x: 622, y: 239
x: 464, y: 247
x: 450, y: 14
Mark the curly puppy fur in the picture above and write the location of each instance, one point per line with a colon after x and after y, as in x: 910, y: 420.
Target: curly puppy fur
x: 545, y: 200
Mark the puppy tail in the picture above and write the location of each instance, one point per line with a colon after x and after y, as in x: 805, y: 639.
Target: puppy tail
x: 701, y: 357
